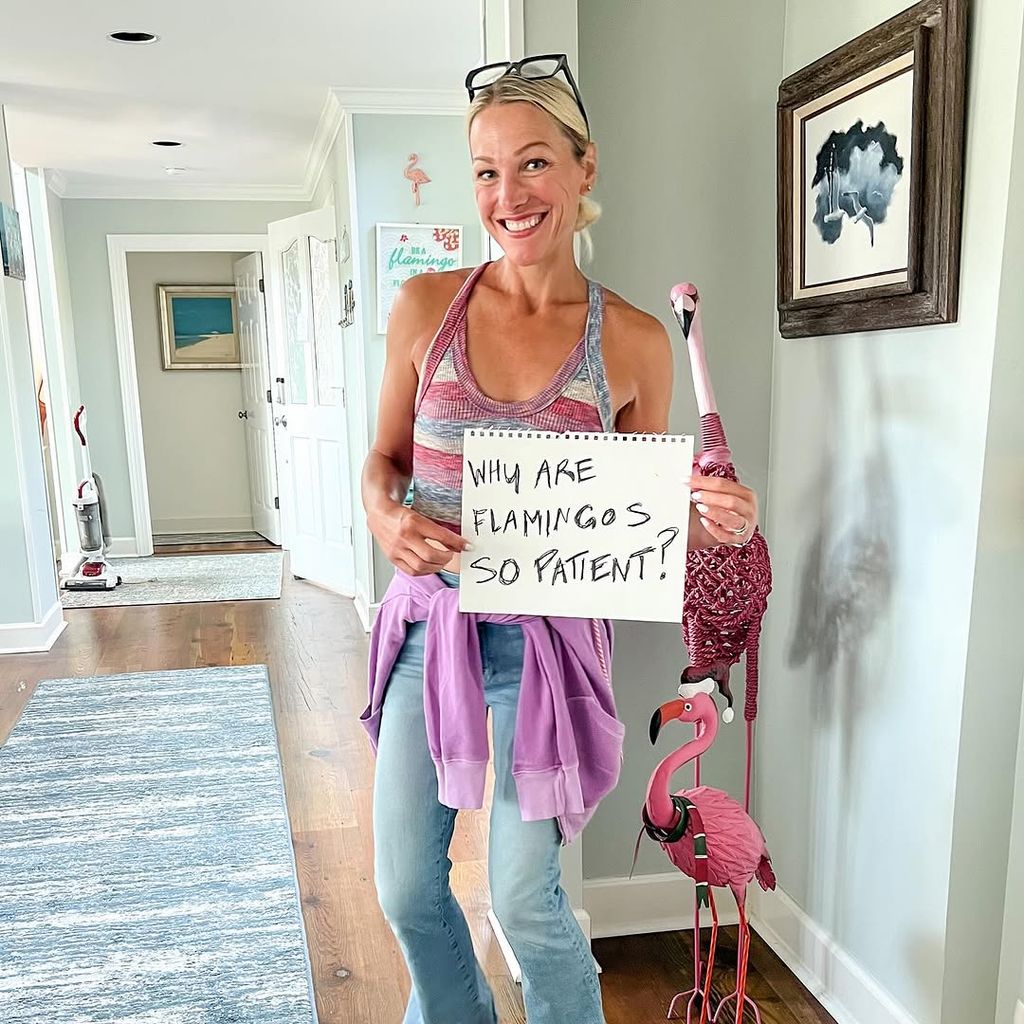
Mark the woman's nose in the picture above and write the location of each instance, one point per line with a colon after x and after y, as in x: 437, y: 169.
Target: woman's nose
x: 512, y: 195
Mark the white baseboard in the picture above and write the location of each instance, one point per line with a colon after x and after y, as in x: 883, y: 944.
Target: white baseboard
x: 366, y: 611
x: 33, y: 637
x: 647, y: 903
x: 840, y: 984
x: 1018, y: 1014
x: 122, y: 547
x: 204, y: 524
x: 514, y: 970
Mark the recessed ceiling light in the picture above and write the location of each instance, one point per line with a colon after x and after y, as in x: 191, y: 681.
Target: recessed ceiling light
x: 166, y: 142
x: 137, y: 38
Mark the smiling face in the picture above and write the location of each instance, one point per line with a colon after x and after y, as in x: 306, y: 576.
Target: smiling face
x: 528, y: 180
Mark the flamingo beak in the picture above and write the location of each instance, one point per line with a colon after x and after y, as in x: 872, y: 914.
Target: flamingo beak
x: 666, y: 713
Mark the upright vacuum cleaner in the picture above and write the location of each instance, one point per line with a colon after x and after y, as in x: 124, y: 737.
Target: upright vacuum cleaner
x: 94, y: 571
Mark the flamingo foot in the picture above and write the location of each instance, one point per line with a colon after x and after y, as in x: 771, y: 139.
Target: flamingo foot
x: 747, y: 1001
x: 695, y: 1001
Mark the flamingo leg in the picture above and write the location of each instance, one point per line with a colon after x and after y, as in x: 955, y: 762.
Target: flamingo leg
x: 742, y: 963
x: 706, y: 996
x: 698, y: 974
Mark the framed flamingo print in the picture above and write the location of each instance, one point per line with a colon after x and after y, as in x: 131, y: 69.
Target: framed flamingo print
x: 405, y: 250
x: 870, y: 167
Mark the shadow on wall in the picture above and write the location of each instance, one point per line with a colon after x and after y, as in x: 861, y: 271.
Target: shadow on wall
x: 845, y: 586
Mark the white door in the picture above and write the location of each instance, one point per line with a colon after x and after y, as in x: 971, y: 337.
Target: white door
x: 257, y: 411
x: 309, y: 400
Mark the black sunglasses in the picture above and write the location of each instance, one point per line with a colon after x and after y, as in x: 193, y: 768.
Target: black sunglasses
x: 545, y: 65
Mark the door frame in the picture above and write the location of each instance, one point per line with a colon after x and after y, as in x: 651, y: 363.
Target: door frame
x: 118, y: 247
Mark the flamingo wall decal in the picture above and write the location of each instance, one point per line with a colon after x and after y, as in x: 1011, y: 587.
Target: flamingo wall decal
x: 417, y: 176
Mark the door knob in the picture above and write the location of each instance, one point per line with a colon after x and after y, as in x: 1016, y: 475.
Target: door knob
x: 244, y: 414
x: 280, y: 421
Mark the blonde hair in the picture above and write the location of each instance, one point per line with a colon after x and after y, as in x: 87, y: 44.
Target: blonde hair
x: 556, y: 100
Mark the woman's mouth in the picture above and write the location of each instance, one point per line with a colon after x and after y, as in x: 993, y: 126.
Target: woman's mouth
x: 522, y: 227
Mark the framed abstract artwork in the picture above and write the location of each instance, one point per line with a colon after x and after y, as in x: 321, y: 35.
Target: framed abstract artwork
x: 870, y: 178
x: 199, y: 327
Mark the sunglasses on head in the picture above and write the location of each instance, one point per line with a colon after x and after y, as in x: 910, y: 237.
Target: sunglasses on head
x: 546, y: 65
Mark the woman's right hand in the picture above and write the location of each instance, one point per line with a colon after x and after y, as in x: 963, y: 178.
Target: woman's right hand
x: 412, y: 542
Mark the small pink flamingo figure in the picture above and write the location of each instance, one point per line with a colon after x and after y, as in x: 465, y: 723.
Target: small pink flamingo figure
x: 416, y: 176
x: 706, y: 834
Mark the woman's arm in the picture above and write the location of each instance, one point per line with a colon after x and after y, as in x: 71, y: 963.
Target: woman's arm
x: 410, y: 541
x: 717, y: 506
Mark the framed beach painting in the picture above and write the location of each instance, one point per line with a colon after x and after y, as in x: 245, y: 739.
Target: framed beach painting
x: 199, y: 327
x: 870, y: 172
x: 10, y: 243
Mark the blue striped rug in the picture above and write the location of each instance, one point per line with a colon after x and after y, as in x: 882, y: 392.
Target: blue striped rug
x: 146, y: 865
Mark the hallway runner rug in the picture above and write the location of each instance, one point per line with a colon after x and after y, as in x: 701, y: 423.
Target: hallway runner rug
x: 146, y: 867
x: 180, y: 579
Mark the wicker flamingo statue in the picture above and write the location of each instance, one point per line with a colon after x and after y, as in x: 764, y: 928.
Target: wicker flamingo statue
x: 708, y: 836
x: 727, y: 587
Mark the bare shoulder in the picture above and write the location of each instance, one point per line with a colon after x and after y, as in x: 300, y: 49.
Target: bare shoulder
x: 419, y: 309
x: 631, y: 328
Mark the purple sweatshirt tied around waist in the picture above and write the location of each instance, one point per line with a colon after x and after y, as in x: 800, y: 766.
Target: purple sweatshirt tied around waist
x: 567, y: 749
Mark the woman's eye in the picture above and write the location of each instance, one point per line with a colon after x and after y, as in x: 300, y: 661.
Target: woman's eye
x: 536, y: 163
x: 485, y: 176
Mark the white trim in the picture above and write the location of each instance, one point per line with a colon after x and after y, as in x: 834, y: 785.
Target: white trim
x: 643, y: 904
x: 114, y: 188
x: 122, y: 547
x: 33, y: 637
x: 831, y: 975
x: 118, y: 247
x: 241, y: 523
x: 57, y: 183
x: 366, y: 610
x: 360, y: 443
x: 1018, y: 1013
x: 515, y: 28
x: 511, y: 962
x: 327, y: 129
x: 402, y: 101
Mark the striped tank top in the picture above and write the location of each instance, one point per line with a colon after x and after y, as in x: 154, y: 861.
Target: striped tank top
x: 448, y: 399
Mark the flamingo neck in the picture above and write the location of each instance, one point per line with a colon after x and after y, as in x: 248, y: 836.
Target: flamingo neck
x: 660, y: 808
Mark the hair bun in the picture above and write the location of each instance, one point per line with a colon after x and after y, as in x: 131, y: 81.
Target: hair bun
x: 588, y: 213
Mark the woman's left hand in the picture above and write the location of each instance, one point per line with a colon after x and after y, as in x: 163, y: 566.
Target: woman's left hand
x: 722, y: 512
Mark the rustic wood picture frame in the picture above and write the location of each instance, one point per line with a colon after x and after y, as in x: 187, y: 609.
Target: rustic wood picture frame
x: 936, y: 32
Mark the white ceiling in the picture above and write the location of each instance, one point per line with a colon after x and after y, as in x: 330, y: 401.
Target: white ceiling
x: 243, y: 85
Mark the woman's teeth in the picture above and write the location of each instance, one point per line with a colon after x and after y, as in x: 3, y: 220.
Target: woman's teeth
x: 524, y: 225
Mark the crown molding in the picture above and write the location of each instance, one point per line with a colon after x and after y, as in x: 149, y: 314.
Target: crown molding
x: 68, y: 188
x: 331, y: 116
x: 56, y: 182
x: 401, y: 101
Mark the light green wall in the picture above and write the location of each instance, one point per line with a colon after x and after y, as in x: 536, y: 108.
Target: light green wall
x: 687, y: 188
x: 87, y: 222
x: 24, y: 517
x: 383, y: 143
x: 878, y: 447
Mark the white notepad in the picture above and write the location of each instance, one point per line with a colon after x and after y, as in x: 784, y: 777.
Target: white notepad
x: 587, y: 525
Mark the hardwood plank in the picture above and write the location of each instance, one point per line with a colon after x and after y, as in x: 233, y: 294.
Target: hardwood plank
x: 315, y: 650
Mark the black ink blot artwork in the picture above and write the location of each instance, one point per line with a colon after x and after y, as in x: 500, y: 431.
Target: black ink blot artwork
x: 857, y: 171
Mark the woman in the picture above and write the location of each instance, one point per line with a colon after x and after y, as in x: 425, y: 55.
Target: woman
x: 524, y: 342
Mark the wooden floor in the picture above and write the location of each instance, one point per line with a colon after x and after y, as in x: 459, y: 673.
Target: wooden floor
x: 315, y: 650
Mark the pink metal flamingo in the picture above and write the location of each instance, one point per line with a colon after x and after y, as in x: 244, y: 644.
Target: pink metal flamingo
x: 416, y: 176
x: 707, y: 835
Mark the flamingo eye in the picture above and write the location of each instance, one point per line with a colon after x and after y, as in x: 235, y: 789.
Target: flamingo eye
x: 687, y: 706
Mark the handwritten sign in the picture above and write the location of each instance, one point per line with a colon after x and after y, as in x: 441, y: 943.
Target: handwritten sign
x: 405, y: 250
x: 588, y: 525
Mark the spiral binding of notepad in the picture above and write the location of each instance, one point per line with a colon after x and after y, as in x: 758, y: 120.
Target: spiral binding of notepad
x: 573, y: 435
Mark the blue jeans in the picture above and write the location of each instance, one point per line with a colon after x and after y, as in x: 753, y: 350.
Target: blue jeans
x: 412, y: 832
